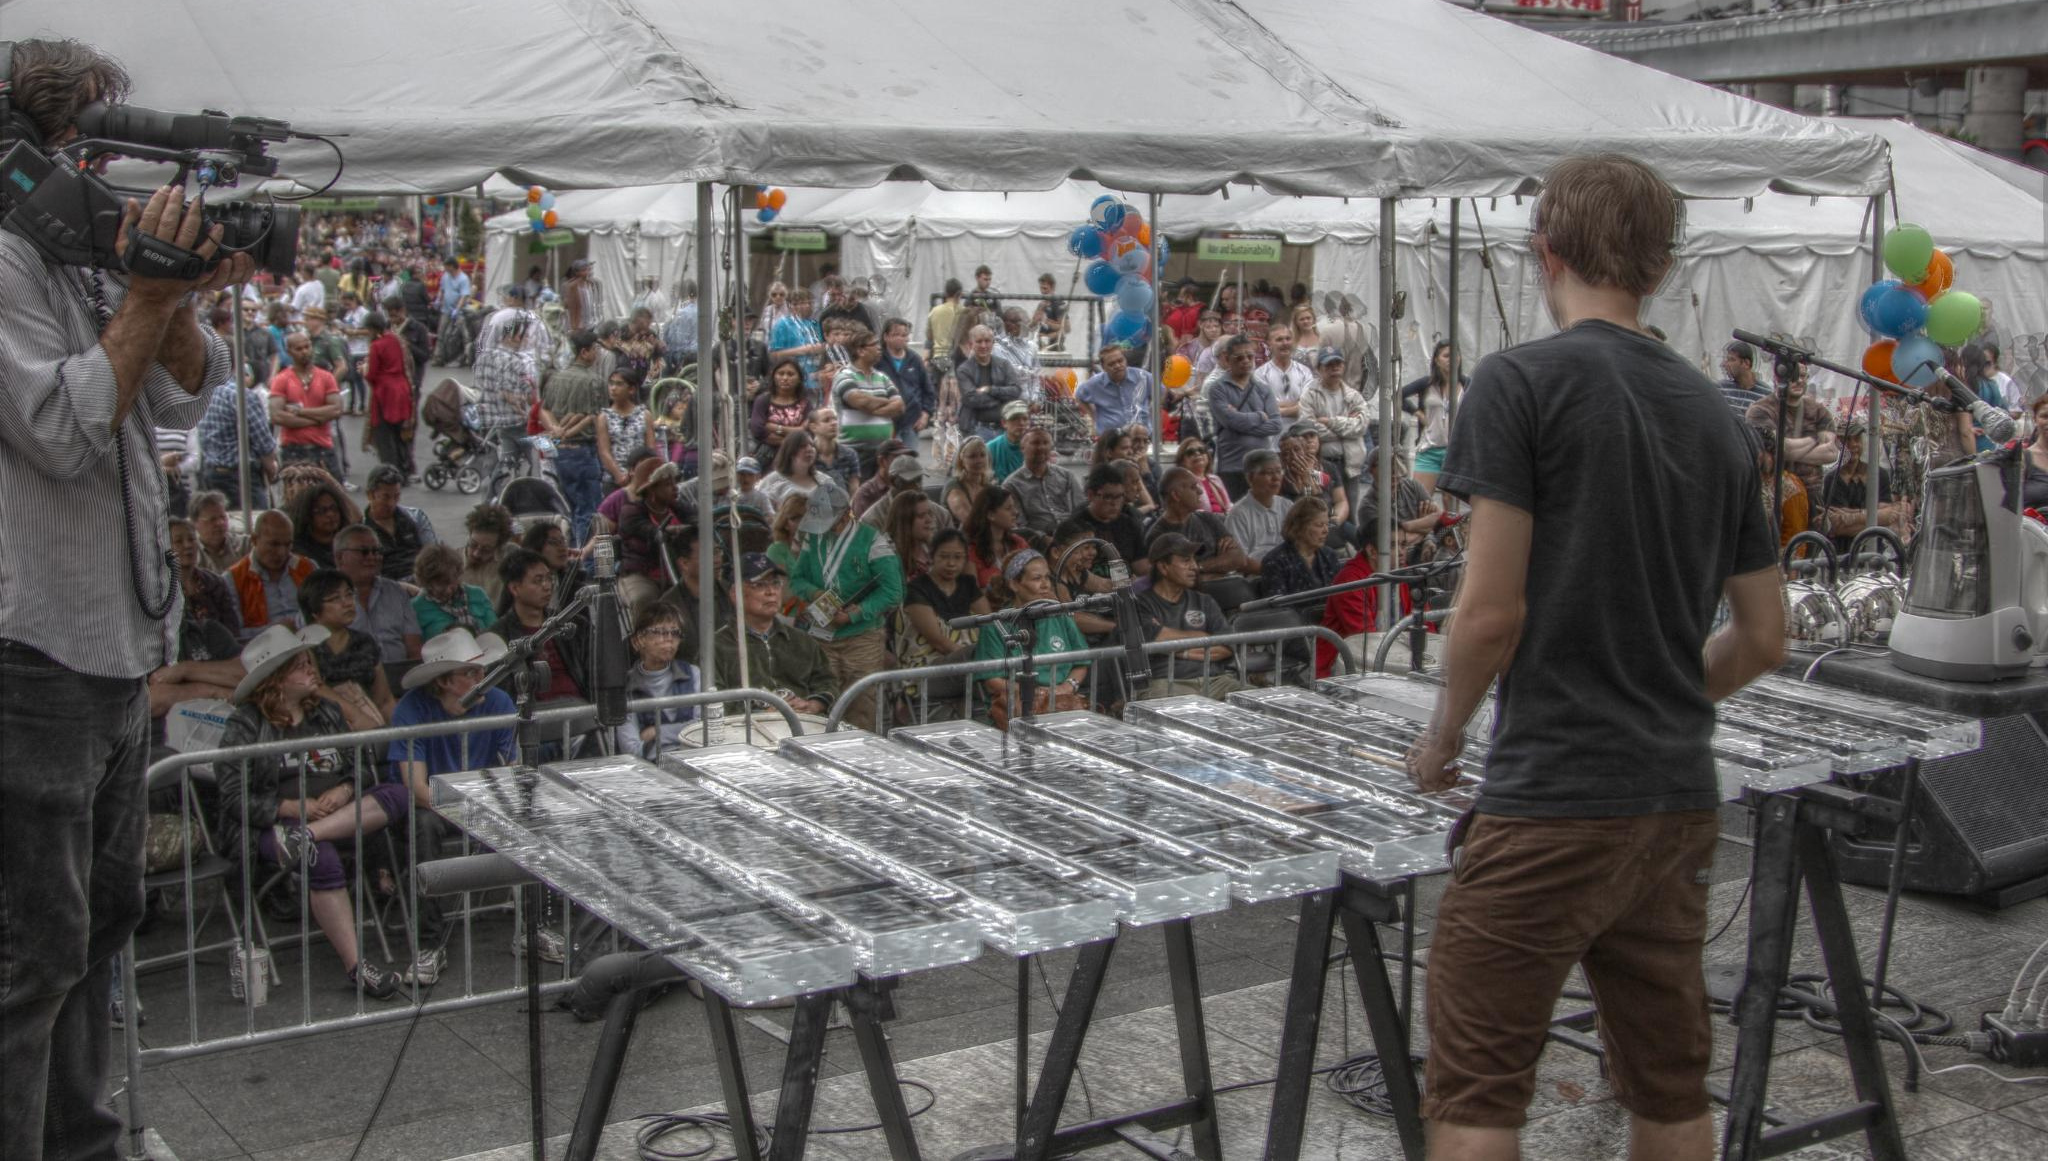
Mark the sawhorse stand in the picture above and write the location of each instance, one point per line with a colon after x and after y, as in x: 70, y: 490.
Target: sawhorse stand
x: 1038, y: 1135
x: 1791, y: 846
x: 868, y: 1003
x: 1358, y: 904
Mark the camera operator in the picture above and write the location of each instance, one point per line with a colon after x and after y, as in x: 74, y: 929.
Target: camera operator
x: 91, y: 361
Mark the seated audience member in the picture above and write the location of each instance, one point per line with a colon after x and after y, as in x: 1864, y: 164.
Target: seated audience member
x: 911, y: 523
x: 1027, y: 578
x: 1173, y: 609
x: 657, y: 672
x: 835, y: 458
x: 383, y: 606
x: 490, y: 533
x: 1844, y: 492
x: 319, y: 510
x: 782, y: 533
x: 779, y: 656
x: 875, y: 487
x: 1220, y: 563
x: 220, y: 545
x: 850, y: 579
x: 992, y: 532
x: 1006, y: 449
x: 746, y: 491
x: 445, y: 602
x: 1303, y: 560
x: 1105, y: 516
x: 649, y: 516
x: 402, y: 530
x: 1047, y: 492
x: 905, y: 475
x: 683, y: 545
x: 1073, y: 554
x: 266, y: 581
x: 209, y: 645
x: 1194, y: 455
x: 1302, y: 474
x: 972, y: 475
x: 1255, y: 520
x: 939, y: 594
x: 529, y: 589
x: 797, y: 470
x: 1415, y: 514
x: 300, y: 805
x: 351, y: 664
x: 640, y: 463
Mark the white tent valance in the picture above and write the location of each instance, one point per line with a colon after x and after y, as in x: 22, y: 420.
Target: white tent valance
x: 1297, y: 96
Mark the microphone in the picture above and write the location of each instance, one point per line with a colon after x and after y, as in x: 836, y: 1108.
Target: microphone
x: 608, y: 632
x: 1784, y: 347
x: 1137, y: 667
x: 1998, y: 427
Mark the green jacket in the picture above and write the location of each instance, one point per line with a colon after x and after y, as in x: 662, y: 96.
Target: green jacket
x: 867, y: 555
x: 784, y: 658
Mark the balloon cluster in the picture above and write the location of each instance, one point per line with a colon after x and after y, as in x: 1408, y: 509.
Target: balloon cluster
x: 768, y: 203
x: 1123, y: 262
x: 1915, y: 314
x: 540, y: 208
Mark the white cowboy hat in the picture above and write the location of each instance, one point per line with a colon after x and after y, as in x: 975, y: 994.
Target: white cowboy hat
x: 271, y: 650
x: 453, y: 650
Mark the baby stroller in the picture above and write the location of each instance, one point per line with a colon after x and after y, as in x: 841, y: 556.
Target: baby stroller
x: 457, y: 447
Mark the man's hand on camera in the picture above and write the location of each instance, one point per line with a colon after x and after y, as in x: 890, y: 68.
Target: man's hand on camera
x: 168, y: 217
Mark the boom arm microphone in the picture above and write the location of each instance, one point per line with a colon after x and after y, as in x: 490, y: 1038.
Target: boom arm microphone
x: 1998, y: 427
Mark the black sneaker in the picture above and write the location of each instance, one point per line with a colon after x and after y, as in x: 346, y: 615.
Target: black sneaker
x: 377, y: 983
x: 294, y: 844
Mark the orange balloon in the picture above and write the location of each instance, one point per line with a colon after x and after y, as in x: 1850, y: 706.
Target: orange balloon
x: 1066, y: 377
x: 761, y: 198
x: 778, y: 198
x: 533, y: 193
x: 549, y: 219
x: 1941, y: 273
x: 1877, y: 358
x: 1144, y: 235
x: 1176, y: 371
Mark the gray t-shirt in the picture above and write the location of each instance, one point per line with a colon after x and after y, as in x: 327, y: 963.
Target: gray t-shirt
x: 1645, y: 501
x: 1195, y: 612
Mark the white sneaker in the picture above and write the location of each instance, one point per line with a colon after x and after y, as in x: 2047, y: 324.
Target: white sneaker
x: 553, y: 948
x: 426, y: 969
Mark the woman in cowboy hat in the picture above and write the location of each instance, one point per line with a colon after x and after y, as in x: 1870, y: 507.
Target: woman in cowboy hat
x: 296, y: 806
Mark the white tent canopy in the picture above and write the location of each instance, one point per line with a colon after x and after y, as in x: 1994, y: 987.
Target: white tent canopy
x: 1183, y: 95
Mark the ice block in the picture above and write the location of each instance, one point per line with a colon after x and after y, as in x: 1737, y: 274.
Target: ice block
x: 1267, y: 859
x: 1025, y: 902
x: 746, y: 949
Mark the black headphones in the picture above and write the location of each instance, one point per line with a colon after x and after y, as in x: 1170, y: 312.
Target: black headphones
x: 14, y: 124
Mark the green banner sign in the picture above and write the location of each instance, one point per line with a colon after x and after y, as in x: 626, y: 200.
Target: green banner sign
x: 799, y: 238
x: 1248, y: 248
x: 356, y: 205
x: 549, y: 239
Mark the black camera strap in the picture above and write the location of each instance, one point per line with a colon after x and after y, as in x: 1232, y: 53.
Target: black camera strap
x: 95, y: 295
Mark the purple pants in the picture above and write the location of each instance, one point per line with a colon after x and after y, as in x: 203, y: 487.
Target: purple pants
x: 327, y: 874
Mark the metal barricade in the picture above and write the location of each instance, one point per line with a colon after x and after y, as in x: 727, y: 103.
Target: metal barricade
x: 230, y: 863
x: 879, y: 684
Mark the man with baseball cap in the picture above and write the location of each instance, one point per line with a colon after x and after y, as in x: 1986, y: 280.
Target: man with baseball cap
x: 850, y: 578
x: 905, y: 474
x: 780, y: 656
x: 1338, y: 411
x: 875, y: 487
x: 1006, y: 451
x: 1173, y: 609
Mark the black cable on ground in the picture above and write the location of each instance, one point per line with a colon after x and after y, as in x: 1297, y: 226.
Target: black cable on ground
x: 419, y: 1009
x: 658, y: 1125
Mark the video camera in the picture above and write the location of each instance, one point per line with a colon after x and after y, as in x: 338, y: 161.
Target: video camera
x: 54, y: 199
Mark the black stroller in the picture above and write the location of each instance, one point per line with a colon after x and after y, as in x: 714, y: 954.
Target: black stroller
x: 458, y: 449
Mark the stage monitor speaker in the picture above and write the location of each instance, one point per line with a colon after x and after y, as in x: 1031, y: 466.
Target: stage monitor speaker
x: 1980, y: 826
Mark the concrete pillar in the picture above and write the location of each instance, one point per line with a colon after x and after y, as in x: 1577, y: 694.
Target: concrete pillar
x: 1777, y: 93
x: 1998, y: 97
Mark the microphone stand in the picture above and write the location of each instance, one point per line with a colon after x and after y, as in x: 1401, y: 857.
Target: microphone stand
x: 529, y: 673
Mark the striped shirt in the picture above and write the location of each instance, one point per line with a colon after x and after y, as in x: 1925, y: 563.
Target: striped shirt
x: 67, y: 569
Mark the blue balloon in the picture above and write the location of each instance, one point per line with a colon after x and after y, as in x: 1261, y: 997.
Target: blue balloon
x: 1134, y: 295
x: 1899, y: 311
x: 1101, y: 278
x: 1132, y: 261
x: 547, y: 200
x: 1910, y: 359
x: 1107, y: 212
x: 1085, y: 242
x: 537, y: 227
x: 767, y: 213
x: 1126, y: 328
x: 1866, y: 307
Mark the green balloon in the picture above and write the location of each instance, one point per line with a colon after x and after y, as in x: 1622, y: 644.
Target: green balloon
x: 1953, y: 317
x: 1907, y: 251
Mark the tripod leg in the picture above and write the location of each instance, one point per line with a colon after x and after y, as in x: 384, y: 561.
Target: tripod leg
x: 1389, y: 1033
x: 1852, y: 1004
x: 1773, y: 911
x: 1299, y: 1028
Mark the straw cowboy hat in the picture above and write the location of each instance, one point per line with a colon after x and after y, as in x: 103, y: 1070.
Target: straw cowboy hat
x: 271, y: 650
x: 453, y: 650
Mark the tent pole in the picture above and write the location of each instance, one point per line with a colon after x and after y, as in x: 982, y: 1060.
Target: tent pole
x: 241, y: 414
x: 1155, y: 363
x: 1873, y: 430
x: 1451, y: 335
x: 706, y: 403
x: 1387, y: 391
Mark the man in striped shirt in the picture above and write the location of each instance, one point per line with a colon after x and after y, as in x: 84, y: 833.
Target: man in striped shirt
x: 1739, y: 386
x: 91, y: 361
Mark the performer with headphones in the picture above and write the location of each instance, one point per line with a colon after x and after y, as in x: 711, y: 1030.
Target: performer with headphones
x: 91, y: 362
